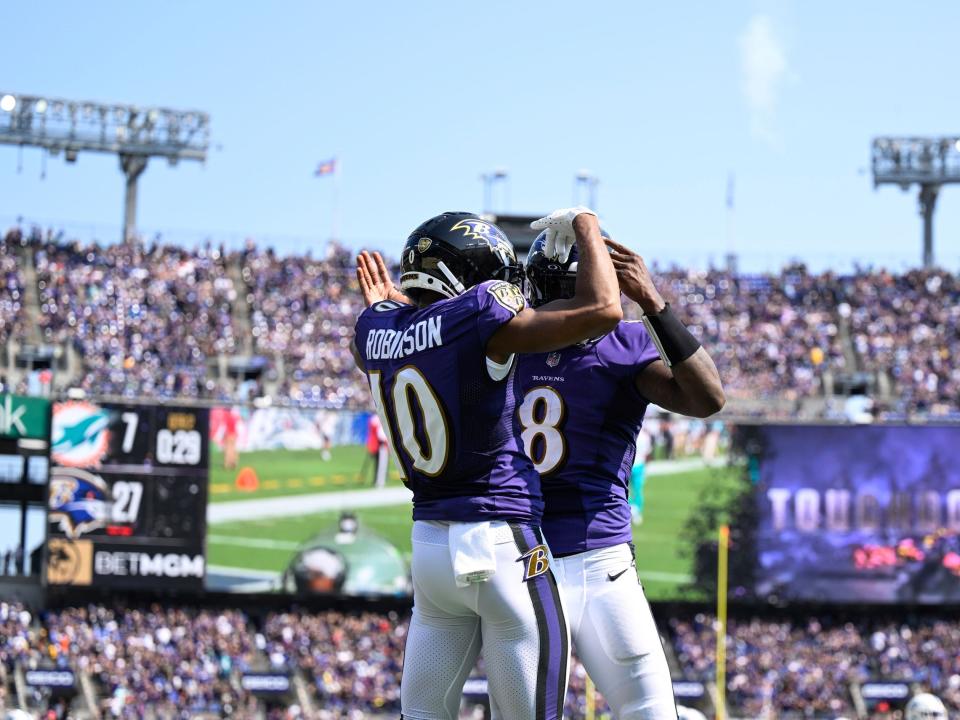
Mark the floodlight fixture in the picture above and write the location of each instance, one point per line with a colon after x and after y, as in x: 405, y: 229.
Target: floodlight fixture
x: 928, y: 162
x: 133, y: 133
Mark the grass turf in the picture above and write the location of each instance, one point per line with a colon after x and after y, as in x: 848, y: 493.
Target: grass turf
x: 670, y: 499
x: 292, y: 472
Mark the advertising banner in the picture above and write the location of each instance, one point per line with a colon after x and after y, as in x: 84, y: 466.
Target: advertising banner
x: 24, y: 417
x: 265, y: 683
x: 859, y: 513
x: 52, y: 679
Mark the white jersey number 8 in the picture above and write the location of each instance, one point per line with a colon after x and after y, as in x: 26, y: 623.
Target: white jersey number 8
x: 541, y: 414
x: 410, y: 385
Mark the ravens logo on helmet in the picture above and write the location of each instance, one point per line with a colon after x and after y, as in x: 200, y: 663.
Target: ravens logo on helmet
x: 454, y: 251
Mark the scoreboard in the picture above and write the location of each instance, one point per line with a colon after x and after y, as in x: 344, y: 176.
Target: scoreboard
x: 127, y: 497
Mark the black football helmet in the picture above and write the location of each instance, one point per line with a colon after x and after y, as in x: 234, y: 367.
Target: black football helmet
x: 549, y: 279
x: 454, y: 251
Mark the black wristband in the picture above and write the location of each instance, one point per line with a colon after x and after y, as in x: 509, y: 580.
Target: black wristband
x: 674, y: 342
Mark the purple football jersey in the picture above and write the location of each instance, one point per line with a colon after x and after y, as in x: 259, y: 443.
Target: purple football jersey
x: 453, y: 428
x: 580, y: 415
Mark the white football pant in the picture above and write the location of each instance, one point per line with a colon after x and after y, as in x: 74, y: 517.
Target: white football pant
x: 516, y: 616
x: 614, y: 633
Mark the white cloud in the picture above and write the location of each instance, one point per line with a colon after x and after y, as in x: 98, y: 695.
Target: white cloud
x: 763, y: 67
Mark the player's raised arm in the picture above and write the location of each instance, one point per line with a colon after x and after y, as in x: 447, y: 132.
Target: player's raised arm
x: 686, y: 381
x: 594, y: 308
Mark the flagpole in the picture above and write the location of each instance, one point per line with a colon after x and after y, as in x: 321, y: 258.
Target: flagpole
x: 731, y: 259
x: 335, y: 214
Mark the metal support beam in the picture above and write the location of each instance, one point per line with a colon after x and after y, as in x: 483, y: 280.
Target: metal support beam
x: 929, y: 162
x: 132, y: 166
x: 928, y: 204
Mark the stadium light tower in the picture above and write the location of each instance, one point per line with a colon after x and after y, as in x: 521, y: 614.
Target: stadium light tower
x: 589, y: 181
x: 489, y: 179
x: 134, y: 134
x: 928, y: 162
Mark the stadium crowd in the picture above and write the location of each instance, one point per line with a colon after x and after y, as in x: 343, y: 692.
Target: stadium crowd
x: 177, y: 662
x: 806, y: 667
x: 144, y: 320
x: 160, y: 661
x: 152, y: 319
x: 770, y: 335
x: 909, y: 325
x: 303, y: 310
x: 352, y: 661
x: 11, y: 289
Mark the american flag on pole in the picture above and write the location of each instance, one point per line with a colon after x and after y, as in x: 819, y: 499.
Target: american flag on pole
x: 327, y: 167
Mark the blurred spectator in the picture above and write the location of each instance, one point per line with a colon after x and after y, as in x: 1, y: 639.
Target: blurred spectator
x: 166, y: 659
x: 148, y: 320
x: 180, y: 662
x: 304, y: 310
x: 11, y: 288
x: 144, y: 320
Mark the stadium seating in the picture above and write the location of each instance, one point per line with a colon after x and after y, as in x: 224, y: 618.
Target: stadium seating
x: 161, y: 661
x: 159, y: 321
x: 814, y: 666
x: 144, y: 320
x: 303, y: 311
x: 11, y: 290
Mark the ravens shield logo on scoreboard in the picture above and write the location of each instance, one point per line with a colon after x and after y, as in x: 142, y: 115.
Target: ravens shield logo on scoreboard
x: 79, y: 501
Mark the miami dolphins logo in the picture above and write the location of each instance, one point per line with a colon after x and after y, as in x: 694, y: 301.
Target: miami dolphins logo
x: 79, y: 501
x: 79, y: 437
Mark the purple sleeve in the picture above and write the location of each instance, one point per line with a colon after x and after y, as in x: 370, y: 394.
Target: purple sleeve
x: 633, y: 348
x: 360, y: 331
x: 498, y: 303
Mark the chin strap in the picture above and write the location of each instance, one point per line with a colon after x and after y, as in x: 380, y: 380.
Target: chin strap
x: 454, y: 281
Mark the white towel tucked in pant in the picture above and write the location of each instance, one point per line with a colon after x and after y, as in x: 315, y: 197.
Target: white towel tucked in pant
x: 471, y: 551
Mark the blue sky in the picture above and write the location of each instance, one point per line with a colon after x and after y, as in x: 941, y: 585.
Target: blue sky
x: 662, y: 101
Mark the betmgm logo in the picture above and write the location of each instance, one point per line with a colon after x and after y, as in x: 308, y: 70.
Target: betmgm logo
x: 536, y: 562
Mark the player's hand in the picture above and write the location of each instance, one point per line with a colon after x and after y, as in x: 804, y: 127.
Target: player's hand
x: 560, y: 235
x: 375, y: 282
x: 635, y: 280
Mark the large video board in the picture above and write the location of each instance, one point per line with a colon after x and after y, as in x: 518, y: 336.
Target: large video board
x: 127, y: 496
x: 859, y: 513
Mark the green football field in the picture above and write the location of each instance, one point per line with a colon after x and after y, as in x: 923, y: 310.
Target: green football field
x: 268, y: 544
x: 291, y: 472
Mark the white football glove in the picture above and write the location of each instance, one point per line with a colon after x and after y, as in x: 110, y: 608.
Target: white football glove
x: 560, y: 236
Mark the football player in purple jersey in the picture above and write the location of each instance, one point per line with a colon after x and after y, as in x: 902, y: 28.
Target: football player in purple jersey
x: 441, y: 373
x: 582, y: 408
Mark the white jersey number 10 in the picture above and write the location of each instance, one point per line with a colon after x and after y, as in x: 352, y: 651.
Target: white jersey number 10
x: 409, y: 387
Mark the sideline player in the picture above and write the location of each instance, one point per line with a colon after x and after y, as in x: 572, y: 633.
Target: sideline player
x: 638, y: 475
x: 441, y: 375
x: 377, y: 452
x: 582, y: 410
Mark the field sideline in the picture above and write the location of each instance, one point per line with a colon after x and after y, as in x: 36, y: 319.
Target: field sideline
x: 267, y: 543
x: 291, y: 472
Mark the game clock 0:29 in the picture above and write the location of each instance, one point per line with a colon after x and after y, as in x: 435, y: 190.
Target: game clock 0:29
x: 180, y: 437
